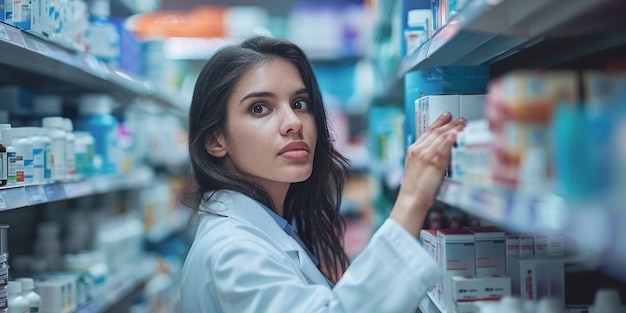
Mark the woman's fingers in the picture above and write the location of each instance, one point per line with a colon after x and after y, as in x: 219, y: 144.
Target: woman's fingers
x: 436, y: 133
x: 443, y: 119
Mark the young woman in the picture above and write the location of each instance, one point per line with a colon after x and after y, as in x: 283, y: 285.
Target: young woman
x: 267, y: 186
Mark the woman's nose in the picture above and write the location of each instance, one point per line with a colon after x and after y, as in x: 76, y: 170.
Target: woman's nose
x: 291, y: 122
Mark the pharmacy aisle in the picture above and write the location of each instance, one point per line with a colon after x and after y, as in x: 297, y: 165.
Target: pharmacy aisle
x: 529, y: 217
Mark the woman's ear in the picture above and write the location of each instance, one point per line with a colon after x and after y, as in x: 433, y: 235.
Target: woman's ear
x: 216, y: 146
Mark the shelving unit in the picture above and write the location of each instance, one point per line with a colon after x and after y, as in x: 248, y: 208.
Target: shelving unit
x: 514, y: 34
x: 44, y: 66
x: 490, y: 32
x: 515, y: 211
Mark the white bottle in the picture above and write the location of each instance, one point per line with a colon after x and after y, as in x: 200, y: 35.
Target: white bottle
x: 7, y: 141
x: 39, y: 146
x: 3, y: 156
x: 55, y: 126
x: 70, y: 148
x: 17, y: 303
x: 24, y: 150
x: 34, y: 300
x: 47, y: 160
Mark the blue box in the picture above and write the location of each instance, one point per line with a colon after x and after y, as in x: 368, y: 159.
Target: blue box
x: 442, y: 80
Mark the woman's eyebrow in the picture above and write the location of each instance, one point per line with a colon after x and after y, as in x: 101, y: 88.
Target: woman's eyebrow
x: 267, y: 94
x: 301, y: 91
x: 261, y: 94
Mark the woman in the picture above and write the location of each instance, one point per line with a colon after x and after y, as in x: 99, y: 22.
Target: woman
x: 268, y: 187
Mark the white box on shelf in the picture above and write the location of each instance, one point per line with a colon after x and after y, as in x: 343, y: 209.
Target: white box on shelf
x: 541, y: 278
x: 512, y: 262
x: 429, y: 108
x: 473, y: 289
x: 490, y: 251
x: 472, y: 107
x: 526, y: 246
x: 457, y: 257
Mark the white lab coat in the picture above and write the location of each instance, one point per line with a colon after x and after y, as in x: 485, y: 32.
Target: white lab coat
x: 244, y: 262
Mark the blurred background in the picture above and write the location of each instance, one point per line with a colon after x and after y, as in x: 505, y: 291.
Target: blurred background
x: 93, y: 102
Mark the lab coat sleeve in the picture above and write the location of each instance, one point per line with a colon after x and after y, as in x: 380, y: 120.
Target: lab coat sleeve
x: 392, y: 274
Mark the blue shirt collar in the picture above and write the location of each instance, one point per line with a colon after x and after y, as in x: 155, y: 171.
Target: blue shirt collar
x: 284, y: 225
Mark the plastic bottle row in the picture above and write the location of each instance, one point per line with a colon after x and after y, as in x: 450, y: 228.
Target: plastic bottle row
x: 56, y: 151
x: 19, y: 297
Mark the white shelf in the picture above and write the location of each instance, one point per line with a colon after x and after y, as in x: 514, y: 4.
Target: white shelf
x: 487, y: 31
x: 13, y: 197
x: 139, y: 274
x: 63, y: 69
x: 506, y: 208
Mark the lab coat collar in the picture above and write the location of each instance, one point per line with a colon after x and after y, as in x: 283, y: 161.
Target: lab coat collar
x: 242, y: 208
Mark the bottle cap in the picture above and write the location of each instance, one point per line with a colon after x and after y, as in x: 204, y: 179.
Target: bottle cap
x: 27, y: 283
x: 14, y: 287
x: 100, y: 8
x: 53, y: 122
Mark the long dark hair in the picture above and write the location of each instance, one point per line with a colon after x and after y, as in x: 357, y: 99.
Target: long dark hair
x: 312, y: 205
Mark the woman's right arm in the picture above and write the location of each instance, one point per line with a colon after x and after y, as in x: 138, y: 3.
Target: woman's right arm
x: 425, y: 164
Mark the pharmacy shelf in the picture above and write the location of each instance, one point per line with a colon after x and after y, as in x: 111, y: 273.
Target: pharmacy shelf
x: 46, y: 67
x: 137, y: 276
x: 594, y: 226
x: 13, y: 197
x: 487, y: 31
x: 514, y: 211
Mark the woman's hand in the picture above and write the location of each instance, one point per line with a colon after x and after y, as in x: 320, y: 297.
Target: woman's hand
x: 424, y: 168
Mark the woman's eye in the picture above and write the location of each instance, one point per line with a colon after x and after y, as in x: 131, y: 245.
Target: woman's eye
x: 258, y: 109
x: 301, y: 105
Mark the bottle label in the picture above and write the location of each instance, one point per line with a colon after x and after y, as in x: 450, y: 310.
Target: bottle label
x: 47, y: 162
x: 19, y: 169
x: 3, y: 167
x: 4, y: 275
x: 11, y: 166
x: 4, y: 303
x: 38, y: 158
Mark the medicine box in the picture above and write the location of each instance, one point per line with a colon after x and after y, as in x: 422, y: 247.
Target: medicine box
x: 457, y: 258
x: 472, y: 289
x: 526, y: 246
x: 442, y: 80
x: 490, y: 251
x: 428, y: 238
x: 541, y: 278
x: 429, y: 108
x: 512, y: 262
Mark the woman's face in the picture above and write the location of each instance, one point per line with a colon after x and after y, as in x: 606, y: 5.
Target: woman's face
x: 271, y: 132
